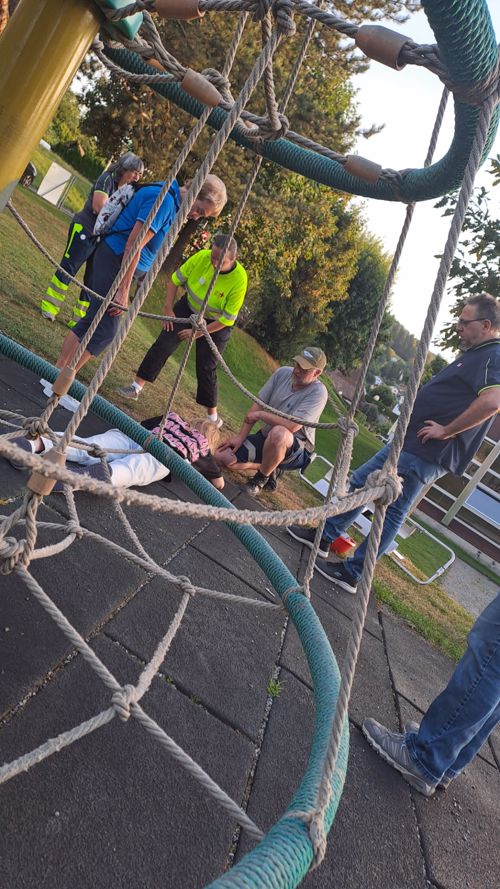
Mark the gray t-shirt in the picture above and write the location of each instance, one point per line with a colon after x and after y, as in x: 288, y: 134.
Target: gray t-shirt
x: 306, y: 403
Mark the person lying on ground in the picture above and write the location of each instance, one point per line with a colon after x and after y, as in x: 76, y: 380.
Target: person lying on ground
x: 459, y: 720
x: 450, y: 418
x: 195, y: 442
x: 280, y: 445
x: 224, y: 303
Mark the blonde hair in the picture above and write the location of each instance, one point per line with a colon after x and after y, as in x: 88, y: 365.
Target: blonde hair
x: 213, y: 192
x: 209, y: 430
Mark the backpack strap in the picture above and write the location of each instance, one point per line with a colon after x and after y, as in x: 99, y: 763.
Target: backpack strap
x: 126, y: 231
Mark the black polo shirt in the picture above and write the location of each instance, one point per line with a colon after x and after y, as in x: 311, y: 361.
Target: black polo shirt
x: 447, y: 396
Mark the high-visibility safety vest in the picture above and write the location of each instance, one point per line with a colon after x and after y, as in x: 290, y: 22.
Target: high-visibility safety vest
x: 226, y: 298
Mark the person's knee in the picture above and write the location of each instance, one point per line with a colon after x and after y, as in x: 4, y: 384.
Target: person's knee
x: 279, y: 437
x: 218, y: 483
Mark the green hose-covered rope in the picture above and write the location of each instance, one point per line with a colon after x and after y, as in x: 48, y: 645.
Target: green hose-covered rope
x: 466, y: 40
x: 282, y: 858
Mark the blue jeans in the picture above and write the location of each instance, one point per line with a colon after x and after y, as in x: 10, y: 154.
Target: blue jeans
x: 461, y: 718
x: 416, y: 474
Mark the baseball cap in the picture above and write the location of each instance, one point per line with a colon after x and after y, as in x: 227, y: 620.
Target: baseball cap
x: 311, y: 357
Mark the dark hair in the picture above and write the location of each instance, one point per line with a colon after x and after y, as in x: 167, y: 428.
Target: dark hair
x: 227, y: 243
x: 486, y: 307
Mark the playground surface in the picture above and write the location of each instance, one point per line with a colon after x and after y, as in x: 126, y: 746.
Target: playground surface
x: 113, y: 810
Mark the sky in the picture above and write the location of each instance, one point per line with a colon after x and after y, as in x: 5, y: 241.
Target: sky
x: 406, y: 102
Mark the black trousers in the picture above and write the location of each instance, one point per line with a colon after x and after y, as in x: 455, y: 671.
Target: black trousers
x: 206, y: 362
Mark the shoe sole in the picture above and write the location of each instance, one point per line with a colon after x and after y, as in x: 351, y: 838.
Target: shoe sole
x: 128, y: 395
x: 340, y: 583
x: 321, y: 553
x: 408, y: 776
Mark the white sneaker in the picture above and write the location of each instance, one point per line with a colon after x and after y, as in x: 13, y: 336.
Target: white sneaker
x: 66, y: 401
x: 69, y: 403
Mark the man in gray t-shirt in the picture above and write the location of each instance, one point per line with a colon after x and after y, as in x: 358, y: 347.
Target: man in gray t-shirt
x: 280, y: 444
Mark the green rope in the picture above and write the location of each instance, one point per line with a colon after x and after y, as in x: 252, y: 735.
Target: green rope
x: 466, y: 40
x: 269, y: 865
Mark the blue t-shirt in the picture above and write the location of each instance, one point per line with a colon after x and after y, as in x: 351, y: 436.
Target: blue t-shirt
x: 137, y: 210
x: 447, y: 396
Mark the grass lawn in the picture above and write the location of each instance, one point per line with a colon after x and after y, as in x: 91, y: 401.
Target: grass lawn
x: 462, y: 554
x: 24, y: 274
x: 425, y: 554
x: 428, y: 609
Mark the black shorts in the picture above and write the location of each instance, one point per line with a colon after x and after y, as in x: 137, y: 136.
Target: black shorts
x: 251, y: 450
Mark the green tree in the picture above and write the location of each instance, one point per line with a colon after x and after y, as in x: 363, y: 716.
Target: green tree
x: 434, y: 365
x: 476, y: 265
x: 66, y: 125
x: 302, y: 254
x: 351, y: 319
x: 402, y: 341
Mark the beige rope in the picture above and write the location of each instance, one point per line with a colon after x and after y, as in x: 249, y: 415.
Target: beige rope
x: 364, y: 586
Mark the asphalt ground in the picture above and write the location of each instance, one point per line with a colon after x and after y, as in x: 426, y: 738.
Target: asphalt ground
x: 113, y: 809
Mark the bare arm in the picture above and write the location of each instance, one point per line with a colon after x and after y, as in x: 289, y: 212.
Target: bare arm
x: 211, y: 328
x: 168, y: 308
x: 99, y: 198
x: 256, y: 414
x: 121, y: 295
x: 482, y: 408
x: 235, y: 441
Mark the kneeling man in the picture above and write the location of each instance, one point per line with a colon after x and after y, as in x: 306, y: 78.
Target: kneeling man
x: 280, y: 445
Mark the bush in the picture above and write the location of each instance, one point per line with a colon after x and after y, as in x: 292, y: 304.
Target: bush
x: 89, y: 165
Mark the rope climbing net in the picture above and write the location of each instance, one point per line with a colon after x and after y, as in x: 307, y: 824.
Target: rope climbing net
x: 306, y: 822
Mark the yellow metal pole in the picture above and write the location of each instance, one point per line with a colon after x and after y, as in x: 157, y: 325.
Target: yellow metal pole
x: 40, y: 52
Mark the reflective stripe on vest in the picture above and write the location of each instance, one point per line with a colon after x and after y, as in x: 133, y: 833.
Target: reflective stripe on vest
x: 196, y: 303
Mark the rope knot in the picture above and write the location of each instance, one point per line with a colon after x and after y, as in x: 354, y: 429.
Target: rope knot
x: 283, y: 13
x: 11, y: 551
x: 74, y: 528
x: 222, y: 83
x: 186, y: 585
x: 258, y: 9
x: 289, y: 590
x: 122, y: 700
x: 314, y: 818
x: 198, y: 323
x: 347, y: 425
x: 318, y: 837
x: 33, y: 427
x: 95, y: 450
x: 267, y: 133
x: 390, y: 481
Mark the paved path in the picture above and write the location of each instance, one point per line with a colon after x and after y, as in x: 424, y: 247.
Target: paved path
x: 468, y: 587
x: 113, y: 810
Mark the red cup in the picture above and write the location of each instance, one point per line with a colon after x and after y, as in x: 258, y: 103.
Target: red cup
x: 342, y: 545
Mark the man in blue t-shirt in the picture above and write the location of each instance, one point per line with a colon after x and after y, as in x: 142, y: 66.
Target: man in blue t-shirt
x: 461, y: 400
x: 126, y: 235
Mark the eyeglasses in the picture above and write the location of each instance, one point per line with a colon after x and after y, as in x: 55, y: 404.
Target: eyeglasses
x: 462, y: 322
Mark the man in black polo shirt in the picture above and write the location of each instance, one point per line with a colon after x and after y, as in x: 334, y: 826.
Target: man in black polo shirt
x: 462, y: 400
